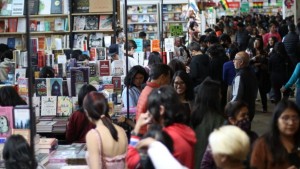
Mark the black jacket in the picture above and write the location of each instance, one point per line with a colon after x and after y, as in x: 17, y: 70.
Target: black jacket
x: 199, y: 68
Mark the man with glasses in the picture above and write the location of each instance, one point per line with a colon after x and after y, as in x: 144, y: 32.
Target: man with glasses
x: 245, y: 83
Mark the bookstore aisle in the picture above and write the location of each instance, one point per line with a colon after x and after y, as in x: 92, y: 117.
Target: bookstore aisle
x: 70, y: 46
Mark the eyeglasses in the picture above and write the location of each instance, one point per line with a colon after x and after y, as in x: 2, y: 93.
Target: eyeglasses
x: 237, y: 59
x: 286, y: 119
x: 179, y: 83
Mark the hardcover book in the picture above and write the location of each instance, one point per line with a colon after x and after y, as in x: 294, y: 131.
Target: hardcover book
x: 12, y: 24
x: 79, y: 40
x: 116, y: 81
x: 17, y: 7
x: 96, y: 40
x: 92, y: 22
x: 101, y: 53
x: 45, y: 7
x: 48, y: 105
x: 36, y: 103
x: 93, y: 69
x: 81, y: 6
x: 23, y: 88
x: 79, y: 23
x: 21, y: 118
x: 105, y: 22
x: 104, y: 68
x: 6, y: 120
x: 33, y: 7
x: 56, y: 6
x: 79, y: 77
x: 59, y: 24
x: 64, y: 106
x: 117, y: 68
x: 41, y: 87
x: 54, y: 87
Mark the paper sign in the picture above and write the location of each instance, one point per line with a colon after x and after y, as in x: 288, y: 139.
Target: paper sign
x: 176, y: 30
x: 169, y: 44
x: 155, y: 45
x: 139, y: 44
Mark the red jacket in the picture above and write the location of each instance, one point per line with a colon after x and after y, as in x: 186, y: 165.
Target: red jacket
x: 184, y: 140
x: 141, y: 106
x: 77, y: 127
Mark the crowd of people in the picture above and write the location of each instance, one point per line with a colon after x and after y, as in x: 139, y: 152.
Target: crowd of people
x: 197, y: 111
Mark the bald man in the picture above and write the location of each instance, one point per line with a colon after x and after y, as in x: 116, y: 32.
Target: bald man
x: 245, y: 83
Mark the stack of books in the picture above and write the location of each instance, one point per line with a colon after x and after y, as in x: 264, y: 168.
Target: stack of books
x: 45, y: 126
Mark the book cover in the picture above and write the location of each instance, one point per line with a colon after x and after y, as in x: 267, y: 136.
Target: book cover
x: 12, y: 24
x: 41, y: 42
x: 93, y: 69
x: 21, y: 25
x: 105, y: 22
x: 106, y: 80
x: 21, y: 118
x: 64, y: 106
x: 79, y: 23
x: 56, y: 6
x: 81, y: 6
x: 96, y: 40
x: 93, y: 54
x: 41, y: 59
x: 94, y: 81
x: 92, y: 22
x: 75, y: 105
x: 36, y: 103
x: 41, y: 87
x: 79, y: 40
x: 45, y: 7
x: 79, y: 77
x: 54, y: 86
x: 117, y: 68
x: 20, y: 73
x: 6, y: 7
x: 17, y: 8
x: 11, y: 43
x: 59, y: 24
x: 65, y: 88
x: 33, y: 7
x: 116, y: 81
x: 3, y: 27
x: 104, y: 68
x: 6, y: 120
x: 48, y: 105
x: 23, y: 88
x: 101, y: 53
x: 23, y: 132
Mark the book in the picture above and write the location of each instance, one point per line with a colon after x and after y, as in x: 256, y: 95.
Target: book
x: 116, y: 81
x: 48, y: 105
x: 92, y: 22
x: 6, y: 7
x: 96, y: 40
x: 21, y: 25
x: 59, y: 24
x: 93, y: 69
x: 23, y: 88
x: 11, y: 42
x: 117, y: 68
x: 104, y: 67
x: 64, y: 106
x: 3, y: 25
x: 17, y: 8
x: 79, y: 77
x: 6, y: 120
x: 33, y: 7
x: 21, y: 118
x: 79, y: 39
x: 54, y: 86
x: 101, y: 53
x: 41, y: 87
x: 36, y: 103
x: 45, y: 7
x: 75, y: 105
x: 106, y: 80
x: 12, y: 24
x: 81, y: 6
x: 20, y: 73
x: 79, y: 22
x: 105, y: 22
x: 56, y: 6
x: 42, y: 158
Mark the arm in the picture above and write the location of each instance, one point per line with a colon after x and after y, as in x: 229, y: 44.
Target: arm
x: 71, y: 130
x: 237, y: 90
x: 193, y: 70
x: 93, y: 149
x: 294, y: 77
x: 132, y: 157
x: 258, y: 155
x: 225, y: 79
x: 160, y: 155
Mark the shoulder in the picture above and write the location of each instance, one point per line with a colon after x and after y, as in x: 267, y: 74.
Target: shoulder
x: 91, y: 136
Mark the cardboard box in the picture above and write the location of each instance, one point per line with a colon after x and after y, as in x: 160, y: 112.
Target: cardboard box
x: 101, y: 5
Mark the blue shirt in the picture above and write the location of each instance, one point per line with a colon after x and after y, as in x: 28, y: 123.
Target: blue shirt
x: 228, y: 72
x: 134, y: 94
x: 294, y: 78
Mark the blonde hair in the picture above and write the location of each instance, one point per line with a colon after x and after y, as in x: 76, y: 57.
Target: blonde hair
x: 231, y: 141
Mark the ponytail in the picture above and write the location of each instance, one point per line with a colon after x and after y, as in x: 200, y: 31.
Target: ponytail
x: 107, y: 123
